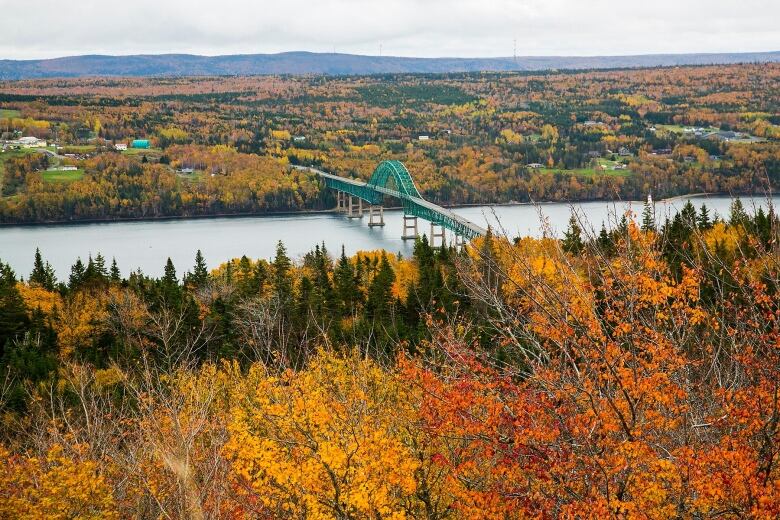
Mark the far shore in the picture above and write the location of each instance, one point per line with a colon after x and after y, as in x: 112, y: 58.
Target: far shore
x: 289, y: 213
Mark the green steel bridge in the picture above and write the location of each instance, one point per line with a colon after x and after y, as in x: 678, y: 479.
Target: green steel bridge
x: 392, y: 179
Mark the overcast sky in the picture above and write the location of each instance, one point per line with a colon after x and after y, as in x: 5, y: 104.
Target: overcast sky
x: 430, y: 28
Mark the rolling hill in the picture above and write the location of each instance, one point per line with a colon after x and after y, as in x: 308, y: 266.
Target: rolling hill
x: 339, y: 64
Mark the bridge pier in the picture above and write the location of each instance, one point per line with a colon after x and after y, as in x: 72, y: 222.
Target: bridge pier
x: 341, y: 202
x: 437, y: 234
x: 359, y: 212
x: 460, y: 242
x: 408, y: 226
x: 376, y: 210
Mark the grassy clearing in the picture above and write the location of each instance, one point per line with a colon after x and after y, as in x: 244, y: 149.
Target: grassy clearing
x: 62, y: 176
x: 678, y: 129
x: 8, y: 113
x: 607, y: 170
x: 143, y: 151
x: 81, y: 148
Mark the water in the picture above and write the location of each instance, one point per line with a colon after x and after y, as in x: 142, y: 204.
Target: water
x: 147, y: 244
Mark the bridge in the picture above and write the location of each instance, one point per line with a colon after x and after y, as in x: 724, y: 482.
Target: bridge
x: 392, y: 179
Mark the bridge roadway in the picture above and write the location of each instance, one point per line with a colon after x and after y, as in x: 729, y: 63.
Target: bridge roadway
x: 373, y: 193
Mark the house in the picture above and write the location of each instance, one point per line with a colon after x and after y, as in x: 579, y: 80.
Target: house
x: 724, y: 135
x: 140, y: 143
x: 624, y: 152
x: 423, y: 138
x: 663, y: 151
x: 595, y: 154
x: 120, y: 147
x: 534, y: 165
x: 31, y: 142
x: 186, y: 171
x: 65, y: 168
x: 620, y: 167
x: 689, y: 159
x: 299, y: 138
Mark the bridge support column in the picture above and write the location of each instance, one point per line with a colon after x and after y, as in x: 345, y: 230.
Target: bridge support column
x: 410, y: 223
x: 460, y: 242
x: 376, y: 211
x: 341, y: 204
x: 437, y: 234
x: 352, y: 212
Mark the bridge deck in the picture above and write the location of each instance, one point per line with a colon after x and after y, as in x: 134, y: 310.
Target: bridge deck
x: 432, y: 212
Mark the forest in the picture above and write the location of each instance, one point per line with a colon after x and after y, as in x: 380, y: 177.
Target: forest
x: 627, y: 374
x: 225, y: 145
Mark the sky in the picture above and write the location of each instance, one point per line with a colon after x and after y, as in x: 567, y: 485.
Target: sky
x: 424, y: 28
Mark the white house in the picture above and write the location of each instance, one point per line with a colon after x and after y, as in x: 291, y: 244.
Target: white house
x: 120, y: 146
x: 31, y: 142
x: 423, y: 138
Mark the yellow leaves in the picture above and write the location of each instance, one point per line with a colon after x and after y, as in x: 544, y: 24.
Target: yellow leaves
x: 39, y: 298
x: 324, y: 440
x: 59, y: 487
x: 511, y: 137
x: 82, y: 317
x: 281, y: 135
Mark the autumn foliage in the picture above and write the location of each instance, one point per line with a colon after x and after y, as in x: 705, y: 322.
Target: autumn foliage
x: 630, y: 380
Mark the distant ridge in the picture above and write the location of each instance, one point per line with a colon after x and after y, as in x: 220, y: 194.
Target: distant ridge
x: 339, y: 64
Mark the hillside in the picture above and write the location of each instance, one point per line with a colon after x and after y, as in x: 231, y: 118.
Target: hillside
x: 333, y: 63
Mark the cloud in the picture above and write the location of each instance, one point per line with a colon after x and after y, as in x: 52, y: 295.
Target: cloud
x: 49, y: 28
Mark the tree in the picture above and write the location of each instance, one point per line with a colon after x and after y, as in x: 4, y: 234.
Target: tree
x: 200, y: 272
x: 42, y: 273
x: 572, y: 238
x: 648, y: 216
x: 282, y: 282
x: 380, y: 292
x: 77, y: 275
x: 116, y: 275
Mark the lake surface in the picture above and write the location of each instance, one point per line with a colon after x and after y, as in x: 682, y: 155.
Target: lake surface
x: 147, y: 244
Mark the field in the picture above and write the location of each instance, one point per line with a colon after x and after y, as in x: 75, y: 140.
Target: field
x: 7, y: 113
x: 608, y: 170
x: 62, y: 176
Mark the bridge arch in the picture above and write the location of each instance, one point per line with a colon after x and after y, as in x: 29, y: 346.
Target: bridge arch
x: 395, y: 170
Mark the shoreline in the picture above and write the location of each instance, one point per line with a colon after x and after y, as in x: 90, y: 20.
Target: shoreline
x: 289, y: 213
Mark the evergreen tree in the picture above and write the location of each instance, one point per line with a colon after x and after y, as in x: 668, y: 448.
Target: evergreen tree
x: 101, y: 272
x: 169, y: 276
x: 77, y: 275
x: 282, y: 282
x: 605, y: 240
x: 42, y: 273
x: 648, y: 216
x: 572, y: 238
x: 737, y: 214
x: 346, y: 287
x: 116, y: 275
x: 200, y: 272
x: 13, y: 314
x: 704, y: 221
x: 380, y: 292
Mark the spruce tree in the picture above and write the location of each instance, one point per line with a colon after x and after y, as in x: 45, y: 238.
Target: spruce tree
x: 648, y: 217
x: 282, y: 281
x: 77, y: 273
x: 704, y: 221
x: 13, y: 313
x: 572, y: 238
x: 200, y: 273
x: 42, y: 273
x: 380, y: 292
x: 737, y: 214
x: 345, y: 282
x: 116, y: 275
